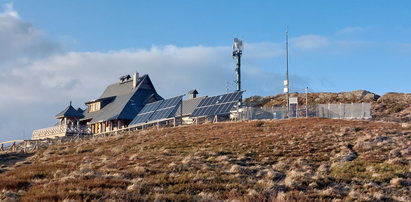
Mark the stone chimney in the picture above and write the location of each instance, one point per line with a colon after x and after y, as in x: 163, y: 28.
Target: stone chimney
x: 135, y: 79
x: 192, y: 94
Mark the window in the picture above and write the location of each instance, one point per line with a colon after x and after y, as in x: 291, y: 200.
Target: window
x: 95, y: 106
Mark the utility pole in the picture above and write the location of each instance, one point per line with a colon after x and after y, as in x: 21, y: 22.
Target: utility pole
x: 287, y: 82
x: 306, y: 102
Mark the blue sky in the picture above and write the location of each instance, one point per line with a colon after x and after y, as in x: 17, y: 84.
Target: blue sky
x: 56, y: 51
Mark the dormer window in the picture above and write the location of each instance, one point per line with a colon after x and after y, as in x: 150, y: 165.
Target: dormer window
x: 95, y: 106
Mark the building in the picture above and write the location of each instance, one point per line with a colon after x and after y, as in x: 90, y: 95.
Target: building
x: 113, y: 110
x: 68, y: 125
x: 188, y: 106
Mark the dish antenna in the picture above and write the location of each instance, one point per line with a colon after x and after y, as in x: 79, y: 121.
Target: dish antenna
x: 237, y: 52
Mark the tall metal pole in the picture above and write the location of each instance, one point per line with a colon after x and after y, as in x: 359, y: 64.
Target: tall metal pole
x: 237, y: 52
x: 238, y: 70
x: 287, y: 80
x: 239, y: 76
x: 306, y: 102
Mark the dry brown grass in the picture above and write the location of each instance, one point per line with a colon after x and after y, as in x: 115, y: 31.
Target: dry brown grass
x: 299, y: 159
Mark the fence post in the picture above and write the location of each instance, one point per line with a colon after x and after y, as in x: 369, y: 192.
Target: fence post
x: 362, y: 110
x: 24, y: 146
x: 328, y: 112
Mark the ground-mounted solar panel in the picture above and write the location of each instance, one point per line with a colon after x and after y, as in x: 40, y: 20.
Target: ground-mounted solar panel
x: 224, y: 108
x: 151, y: 107
x: 144, y: 115
x: 217, y: 105
x: 167, y: 109
x: 157, y: 110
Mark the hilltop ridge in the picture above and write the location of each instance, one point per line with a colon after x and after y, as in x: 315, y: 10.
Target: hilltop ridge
x: 298, y: 159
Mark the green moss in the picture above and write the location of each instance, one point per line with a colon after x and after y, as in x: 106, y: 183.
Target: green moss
x: 382, y: 172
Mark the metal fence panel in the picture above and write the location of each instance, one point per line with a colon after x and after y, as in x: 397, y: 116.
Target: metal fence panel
x: 334, y: 111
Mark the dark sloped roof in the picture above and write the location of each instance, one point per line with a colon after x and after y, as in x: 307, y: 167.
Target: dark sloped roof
x: 123, y: 88
x: 81, y: 111
x: 125, y: 101
x: 189, y: 106
x: 69, y: 112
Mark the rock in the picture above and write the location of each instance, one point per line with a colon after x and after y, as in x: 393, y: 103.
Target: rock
x: 252, y: 192
x: 354, y: 194
x: 187, y: 160
x: 400, y: 182
x: 235, y: 169
x: 274, y: 175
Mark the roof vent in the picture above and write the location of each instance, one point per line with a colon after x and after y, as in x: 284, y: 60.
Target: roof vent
x: 125, y: 78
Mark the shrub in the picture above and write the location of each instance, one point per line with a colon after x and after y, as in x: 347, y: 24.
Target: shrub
x: 13, y: 184
x: 258, y: 124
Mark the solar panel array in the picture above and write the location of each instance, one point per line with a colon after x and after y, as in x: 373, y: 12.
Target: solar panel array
x: 157, y: 110
x: 217, y: 105
x: 166, y: 109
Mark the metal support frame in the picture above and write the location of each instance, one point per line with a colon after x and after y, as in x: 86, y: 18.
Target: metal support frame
x: 181, y: 112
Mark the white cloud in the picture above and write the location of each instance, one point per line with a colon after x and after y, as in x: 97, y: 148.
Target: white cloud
x: 263, y: 50
x: 309, y: 42
x: 20, y: 40
x: 351, y: 30
x: 9, y: 11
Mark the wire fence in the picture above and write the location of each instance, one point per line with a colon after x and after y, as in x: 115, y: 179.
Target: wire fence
x: 334, y: 111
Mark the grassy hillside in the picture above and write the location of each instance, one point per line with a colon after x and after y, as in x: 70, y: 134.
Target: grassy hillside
x: 303, y: 159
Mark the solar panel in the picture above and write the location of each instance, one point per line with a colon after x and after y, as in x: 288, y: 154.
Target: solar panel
x: 157, y: 110
x: 167, y: 108
x: 145, y: 113
x: 217, y: 105
x: 151, y: 107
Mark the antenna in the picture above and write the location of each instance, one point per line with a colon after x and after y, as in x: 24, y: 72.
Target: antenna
x: 227, y: 86
x: 306, y: 102
x: 286, y: 81
x: 237, y: 52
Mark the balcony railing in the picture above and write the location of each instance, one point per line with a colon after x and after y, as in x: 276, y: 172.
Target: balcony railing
x: 59, y: 131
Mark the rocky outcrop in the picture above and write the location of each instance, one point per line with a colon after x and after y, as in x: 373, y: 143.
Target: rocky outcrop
x: 393, y: 107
